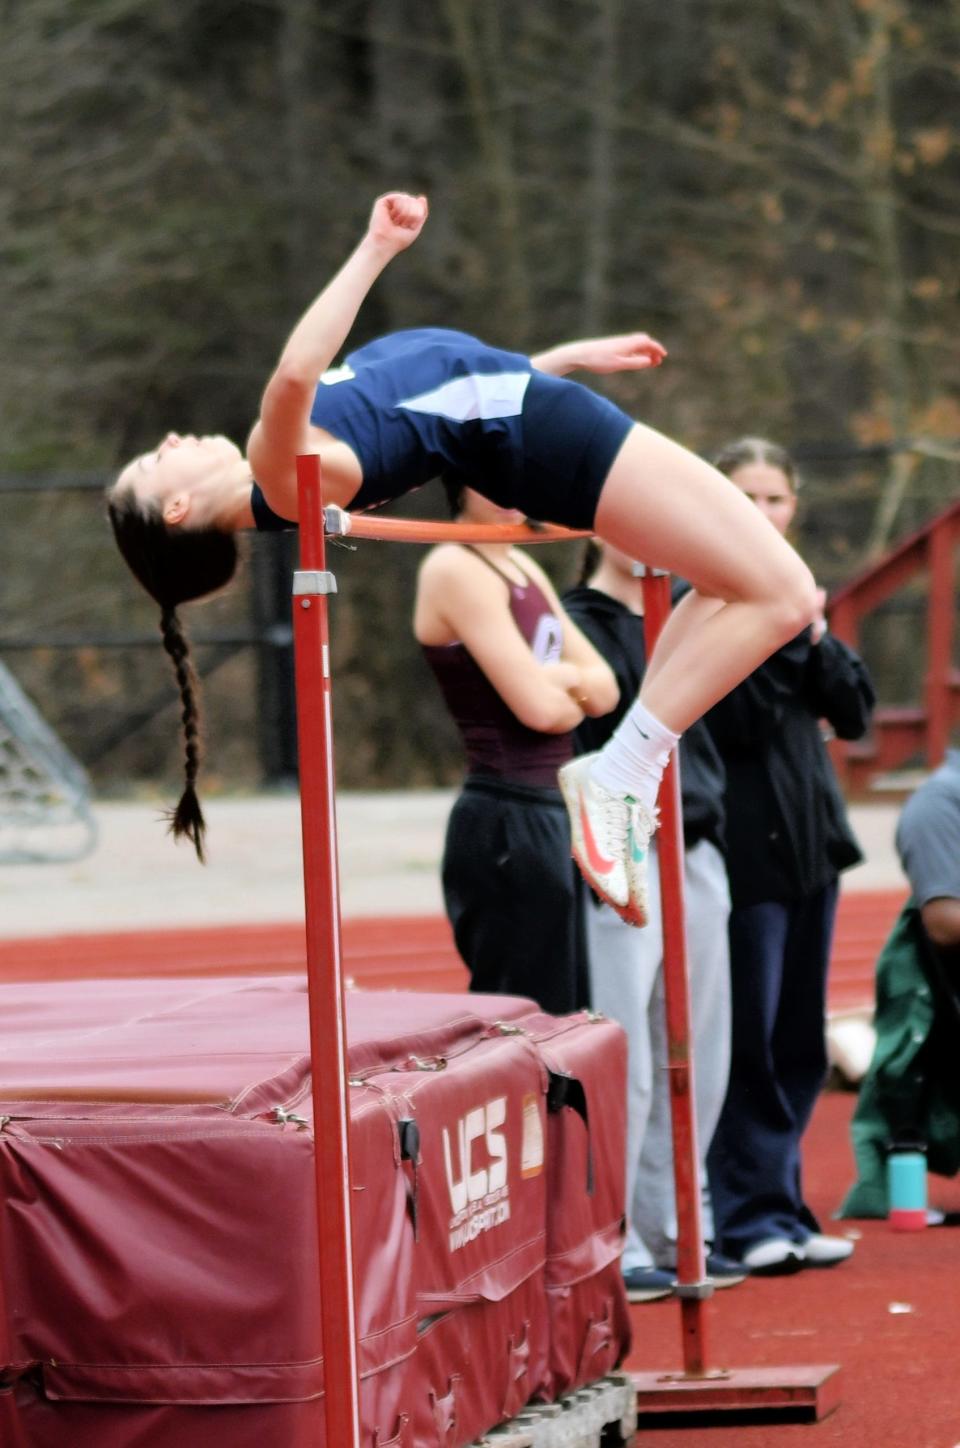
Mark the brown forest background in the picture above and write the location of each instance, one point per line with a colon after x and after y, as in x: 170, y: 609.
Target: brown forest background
x: 769, y: 186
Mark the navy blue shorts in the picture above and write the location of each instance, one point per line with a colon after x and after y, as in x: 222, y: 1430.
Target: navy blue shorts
x: 571, y: 436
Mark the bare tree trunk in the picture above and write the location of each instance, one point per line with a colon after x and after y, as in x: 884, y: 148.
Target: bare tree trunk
x: 890, y: 354
x: 297, y: 81
x: 480, y: 54
x: 601, y: 184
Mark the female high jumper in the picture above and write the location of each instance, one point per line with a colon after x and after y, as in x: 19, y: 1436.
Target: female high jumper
x: 414, y: 404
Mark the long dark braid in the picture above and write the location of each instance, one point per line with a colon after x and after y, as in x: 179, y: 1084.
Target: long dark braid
x: 175, y: 565
x: 187, y: 818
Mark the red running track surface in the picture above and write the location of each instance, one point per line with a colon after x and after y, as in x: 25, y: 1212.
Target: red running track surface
x: 414, y: 952
x: 899, y: 1384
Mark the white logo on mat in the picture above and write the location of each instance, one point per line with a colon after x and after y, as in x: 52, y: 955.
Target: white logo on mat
x: 479, y: 1194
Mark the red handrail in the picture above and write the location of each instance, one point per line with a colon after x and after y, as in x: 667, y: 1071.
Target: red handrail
x: 931, y: 549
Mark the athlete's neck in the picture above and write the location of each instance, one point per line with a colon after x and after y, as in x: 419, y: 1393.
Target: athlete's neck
x: 234, y: 511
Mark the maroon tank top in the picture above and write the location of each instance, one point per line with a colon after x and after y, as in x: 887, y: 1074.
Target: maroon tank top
x: 495, y: 741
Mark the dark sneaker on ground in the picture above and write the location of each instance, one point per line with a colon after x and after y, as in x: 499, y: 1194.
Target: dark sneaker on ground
x: 646, y: 1284
x: 722, y: 1271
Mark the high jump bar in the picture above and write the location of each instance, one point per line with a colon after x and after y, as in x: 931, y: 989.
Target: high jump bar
x: 338, y: 523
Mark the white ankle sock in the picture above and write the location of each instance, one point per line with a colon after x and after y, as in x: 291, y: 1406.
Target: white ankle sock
x: 634, y: 757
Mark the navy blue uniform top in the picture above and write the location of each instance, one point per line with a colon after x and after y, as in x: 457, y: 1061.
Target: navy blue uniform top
x: 419, y: 403
x: 422, y: 402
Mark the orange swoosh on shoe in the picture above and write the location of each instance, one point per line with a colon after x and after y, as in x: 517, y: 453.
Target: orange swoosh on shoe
x: 595, y: 858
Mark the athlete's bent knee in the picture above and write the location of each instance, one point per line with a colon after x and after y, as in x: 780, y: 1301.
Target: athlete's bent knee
x: 796, y: 602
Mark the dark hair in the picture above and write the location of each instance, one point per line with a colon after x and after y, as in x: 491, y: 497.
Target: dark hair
x: 589, y: 560
x: 453, y: 486
x: 734, y: 455
x: 175, y: 565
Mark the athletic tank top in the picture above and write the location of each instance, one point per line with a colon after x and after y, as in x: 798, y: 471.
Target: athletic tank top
x: 422, y: 402
x: 496, y: 743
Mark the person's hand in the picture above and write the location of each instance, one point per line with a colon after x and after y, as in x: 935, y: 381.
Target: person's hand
x: 819, y: 625
x: 564, y: 675
x: 397, y: 219
x: 632, y: 352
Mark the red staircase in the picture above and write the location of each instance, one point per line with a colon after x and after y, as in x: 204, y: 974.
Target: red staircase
x: 922, y: 732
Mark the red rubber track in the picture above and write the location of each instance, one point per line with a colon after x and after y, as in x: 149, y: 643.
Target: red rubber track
x: 410, y: 952
x: 899, y: 1385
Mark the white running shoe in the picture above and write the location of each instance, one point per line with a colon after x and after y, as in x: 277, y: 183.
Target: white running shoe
x: 822, y: 1251
x: 599, y: 830
x: 642, y: 824
x: 773, y: 1257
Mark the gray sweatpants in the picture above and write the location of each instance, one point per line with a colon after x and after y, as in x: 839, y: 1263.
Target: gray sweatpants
x: 626, y: 979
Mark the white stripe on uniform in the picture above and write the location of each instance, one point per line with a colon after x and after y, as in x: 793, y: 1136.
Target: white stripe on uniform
x: 477, y: 396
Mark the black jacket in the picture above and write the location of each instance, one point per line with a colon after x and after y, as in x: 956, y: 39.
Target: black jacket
x: 617, y: 634
x: 787, y: 829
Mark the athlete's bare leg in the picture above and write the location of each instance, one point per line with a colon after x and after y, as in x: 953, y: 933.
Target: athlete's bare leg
x: 664, y: 505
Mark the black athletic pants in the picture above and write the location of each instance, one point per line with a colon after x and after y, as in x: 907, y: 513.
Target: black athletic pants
x: 508, y: 883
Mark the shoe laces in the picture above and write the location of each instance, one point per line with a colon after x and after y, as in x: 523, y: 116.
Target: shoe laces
x: 615, y: 812
x: 642, y: 820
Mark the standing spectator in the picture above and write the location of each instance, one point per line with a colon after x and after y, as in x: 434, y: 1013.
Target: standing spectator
x: 787, y: 840
x: 626, y: 965
x: 517, y: 677
x: 911, y: 1093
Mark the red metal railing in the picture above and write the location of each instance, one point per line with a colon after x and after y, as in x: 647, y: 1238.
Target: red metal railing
x: 900, y: 734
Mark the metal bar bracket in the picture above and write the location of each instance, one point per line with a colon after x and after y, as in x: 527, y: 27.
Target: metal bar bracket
x: 310, y: 580
x: 336, y: 521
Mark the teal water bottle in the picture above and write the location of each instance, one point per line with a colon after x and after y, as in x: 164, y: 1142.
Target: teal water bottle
x: 907, y: 1188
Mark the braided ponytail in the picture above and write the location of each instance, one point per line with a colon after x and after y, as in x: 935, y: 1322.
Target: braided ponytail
x: 187, y: 819
x: 175, y: 565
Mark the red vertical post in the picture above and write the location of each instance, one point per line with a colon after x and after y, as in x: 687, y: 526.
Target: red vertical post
x: 940, y: 609
x: 328, y: 1043
x: 692, y: 1288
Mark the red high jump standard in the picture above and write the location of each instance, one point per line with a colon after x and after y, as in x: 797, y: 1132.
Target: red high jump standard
x: 204, y: 1239
x: 701, y: 1391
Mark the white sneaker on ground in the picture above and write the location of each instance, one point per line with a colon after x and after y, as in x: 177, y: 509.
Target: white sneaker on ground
x: 822, y: 1251
x: 599, y: 830
x: 773, y: 1257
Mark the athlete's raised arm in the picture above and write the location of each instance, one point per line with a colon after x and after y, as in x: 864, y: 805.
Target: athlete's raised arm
x: 629, y: 352
x: 395, y: 222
